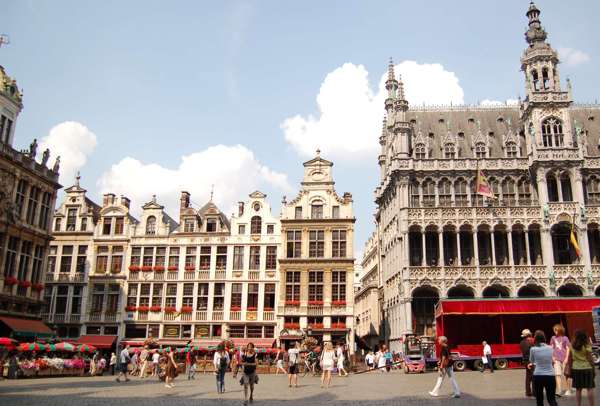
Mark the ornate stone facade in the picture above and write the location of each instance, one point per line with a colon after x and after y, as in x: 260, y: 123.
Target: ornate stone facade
x: 367, y: 298
x: 439, y: 238
x: 27, y: 196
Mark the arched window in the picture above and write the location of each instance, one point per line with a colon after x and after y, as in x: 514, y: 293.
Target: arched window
x: 495, y: 186
x: 511, y: 150
x: 414, y: 194
x: 524, y: 190
x: 420, y: 151
x: 449, y: 151
x: 480, y: 150
x: 476, y: 198
x: 445, y: 191
x: 428, y: 193
x: 545, y: 79
x: 151, y: 225
x: 508, y: 192
x: 552, y: 133
x: 552, y: 188
x: 255, y: 225
x: 536, y: 81
x: 460, y: 192
x: 593, y: 189
x: 565, y: 187
x: 316, y: 210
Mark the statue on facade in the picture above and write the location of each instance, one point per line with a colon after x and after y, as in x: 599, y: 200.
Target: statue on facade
x: 546, y: 212
x: 45, y: 156
x: 552, y: 280
x: 583, y: 212
x: 33, y: 148
x: 56, y: 165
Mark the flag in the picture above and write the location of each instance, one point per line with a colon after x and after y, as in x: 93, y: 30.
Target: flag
x: 574, y: 241
x: 482, y: 186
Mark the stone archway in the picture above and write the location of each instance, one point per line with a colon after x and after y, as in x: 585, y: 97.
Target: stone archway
x: 531, y: 290
x: 570, y: 290
x: 423, y: 301
x: 495, y: 291
x: 461, y: 292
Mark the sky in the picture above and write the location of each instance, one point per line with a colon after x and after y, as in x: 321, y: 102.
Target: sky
x: 153, y: 97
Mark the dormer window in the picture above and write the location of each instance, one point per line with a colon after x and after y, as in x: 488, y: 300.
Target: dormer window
x: 106, y: 226
x: 151, y: 225
x: 189, y: 226
x: 211, y: 225
x: 420, y: 151
x: 255, y: 225
x: 316, y: 211
x: 298, y: 212
x: 119, y: 225
x: 84, y: 224
x: 71, y: 219
x: 480, y: 150
x: 241, y: 229
x: 57, y: 224
x: 511, y: 150
x: 449, y: 151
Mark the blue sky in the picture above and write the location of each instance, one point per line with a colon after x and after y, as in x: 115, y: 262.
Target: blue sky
x: 233, y: 85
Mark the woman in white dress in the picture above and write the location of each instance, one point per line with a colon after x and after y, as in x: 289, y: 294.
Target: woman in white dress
x: 328, y: 359
x: 381, y: 361
x: 340, y: 361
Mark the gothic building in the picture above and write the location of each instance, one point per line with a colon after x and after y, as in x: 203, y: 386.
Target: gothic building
x: 439, y: 238
x: 27, y: 196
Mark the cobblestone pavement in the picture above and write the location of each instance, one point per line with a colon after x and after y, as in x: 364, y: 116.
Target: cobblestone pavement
x: 396, y: 388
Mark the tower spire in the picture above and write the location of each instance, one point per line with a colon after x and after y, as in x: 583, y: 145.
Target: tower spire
x: 391, y: 84
x: 536, y: 32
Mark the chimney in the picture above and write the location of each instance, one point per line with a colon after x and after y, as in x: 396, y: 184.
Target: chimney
x: 184, y: 200
x: 240, y: 209
x: 125, y: 201
x: 108, y: 199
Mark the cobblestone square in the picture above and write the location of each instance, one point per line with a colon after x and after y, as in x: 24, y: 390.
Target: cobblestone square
x: 501, y: 388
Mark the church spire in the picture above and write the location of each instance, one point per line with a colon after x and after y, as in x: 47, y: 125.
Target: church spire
x: 391, y: 84
x: 536, y: 32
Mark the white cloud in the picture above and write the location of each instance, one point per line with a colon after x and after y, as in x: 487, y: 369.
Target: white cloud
x: 73, y: 142
x: 573, y: 57
x: 230, y: 169
x: 350, y: 111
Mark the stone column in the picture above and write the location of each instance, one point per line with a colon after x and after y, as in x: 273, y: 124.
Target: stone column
x: 459, y: 258
x: 547, y: 251
x: 475, y: 249
x: 542, y: 188
x: 424, y: 257
x: 441, y: 248
x: 527, y: 253
x: 493, y: 248
x: 511, y: 260
x: 577, y: 183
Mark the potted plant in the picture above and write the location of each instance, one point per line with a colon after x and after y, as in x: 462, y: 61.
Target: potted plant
x: 186, y: 309
x: 155, y: 309
x: 170, y: 309
x: 38, y: 287
x: 24, y: 284
x: 131, y: 308
x: 173, y: 268
x: 159, y: 268
x: 10, y: 280
x: 292, y: 326
x: 339, y: 303
x: 236, y: 308
x: 252, y: 309
x: 292, y: 303
x: 315, y: 302
x: 134, y: 268
x: 190, y: 268
x: 146, y: 268
x: 268, y: 309
x: 143, y: 309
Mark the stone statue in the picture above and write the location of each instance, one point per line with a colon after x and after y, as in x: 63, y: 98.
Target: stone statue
x: 33, y: 148
x: 56, y: 165
x: 546, y: 212
x: 552, y: 280
x: 45, y: 156
x: 583, y: 212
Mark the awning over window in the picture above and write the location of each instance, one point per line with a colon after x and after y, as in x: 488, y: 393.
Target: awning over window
x: 97, y: 341
x: 27, y: 327
x: 516, y: 306
x: 258, y: 342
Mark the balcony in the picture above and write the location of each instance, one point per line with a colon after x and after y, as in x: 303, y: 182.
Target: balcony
x: 49, y: 277
x: 170, y: 316
x: 204, y: 275
x: 186, y: 317
x: 75, y: 318
x: 134, y: 275
x: 111, y: 317
x: 159, y: 276
x: 217, y: 315
x: 171, y: 276
x: 235, y: 315
x: 201, y: 315
x: 220, y: 274
x: 507, y: 272
x: 254, y: 275
x: 315, y: 310
x: 268, y: 316
x: 189, y: 275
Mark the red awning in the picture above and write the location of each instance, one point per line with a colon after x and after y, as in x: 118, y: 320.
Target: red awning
x: 27, y: 326
x: 291, y: 337
x: 97, y: 341
x: 516, y: 306
x: 258, y: 342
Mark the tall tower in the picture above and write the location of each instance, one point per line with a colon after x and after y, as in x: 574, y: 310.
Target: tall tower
x: 398, y: 129
x: 11, y: 104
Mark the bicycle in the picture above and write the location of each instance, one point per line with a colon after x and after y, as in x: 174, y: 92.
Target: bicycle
x: 313, y: 366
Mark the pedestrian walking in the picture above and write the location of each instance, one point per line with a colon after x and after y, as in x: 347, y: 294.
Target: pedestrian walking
x: 541, y: 360
x: 113, y: 363
x: 380, y: 358
x: 560, y: 351
x: 155, y: 362
x: 124, y: 359
x: 279, y: 358
x: 194, y: 367
x: 144, y: 360
x: 249, y: 378
x: 445, y: 370
x: 221, y: 362
x: 13, y: 366
x: 94, y: 364
x: 293, y: 361
x: 189, y: 363
x: 526, y: 344
x: 328, y: 359
x: 340, y: 360
x: 370, y: 360
x: 170, y: 368
x: 487, y: 357
x: 580, y: 366
x: 135, y: 363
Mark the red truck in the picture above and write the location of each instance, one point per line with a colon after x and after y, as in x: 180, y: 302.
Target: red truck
x: 468, y: 322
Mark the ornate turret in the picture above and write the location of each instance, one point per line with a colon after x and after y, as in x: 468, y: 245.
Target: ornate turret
x: 536, y: 32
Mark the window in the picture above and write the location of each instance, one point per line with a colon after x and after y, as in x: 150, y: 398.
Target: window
x: 316, y: 211
x: 211, y: 225
x: 255, y: 257
x: 71, y: 219
x: 144, y: 295
x: 238, y: 257
x: 189, y: 226
x: 511, y: 150
x: 9, y: 124
x: 269, y: 301
x: 460, y: 192
x: 205, y: 257
x: 57, y: 222
x: 255, y: 225
x: 552, y: 134
x: 171, y: 295
x: 190, y: 257
x: 148, y: 256
x: 271, y: 262
x: 415, y: 198
x: 449, y: 151
x: 428, y: 193
x: 524, y: 191
x: 51, y: 260
x: 36, y: 269
x: 151, y: 225
x: 593, y: 190
x: 119, y: 222
x: 270, y: 228
x: 552, y: 188
x: 97, y: 298
x: 236, y: 297
x: 81, y: 259
x: 292, y: 286
x: 20, y: 197
x: 338, y: 243
x: 62, y: 294
x: 476, y: 198
x: 294, y: 244
x: 221, y: 257
x: 241, y: 229
x: 237, y: 331
x: 45, y: 210
x: 2, y: 127
x: 253, y: 331
x: 420, y: 151
x: 26, y: 248
x: 66, y: 258
x: 174, y: 256
x: 219, y: 296
x: 480, y: 150
x: 34, y: 195
x: 188, y: 295
x: 252, y: 302
x: 106, y: 226
x: 112, y: 300
x: 157, y: 294
x: 508, y: 192
x: 315, y: 286
x: 161, y: 252
x: 116, y: 263
x: 565, y: 186
x: 316, y: 244
x: 335, y: 212
x: 536, y: 81
x: 10, y: 262
x: 132, y: 291
x: 101, y: 259
x: 84, y: 224
x: 298, y: 212
x: 76, y: 300
x: 445, y: 191
x: 202, y: 303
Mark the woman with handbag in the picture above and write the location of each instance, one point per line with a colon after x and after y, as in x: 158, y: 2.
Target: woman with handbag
x: 445, y: 370
x: 249, y: 378
x: 328, y: 360
x: 580, y: 367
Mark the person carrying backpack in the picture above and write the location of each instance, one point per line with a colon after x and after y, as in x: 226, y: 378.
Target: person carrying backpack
x: 221, y: 362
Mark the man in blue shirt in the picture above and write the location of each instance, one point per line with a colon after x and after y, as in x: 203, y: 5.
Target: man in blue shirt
x: 124, y: 359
